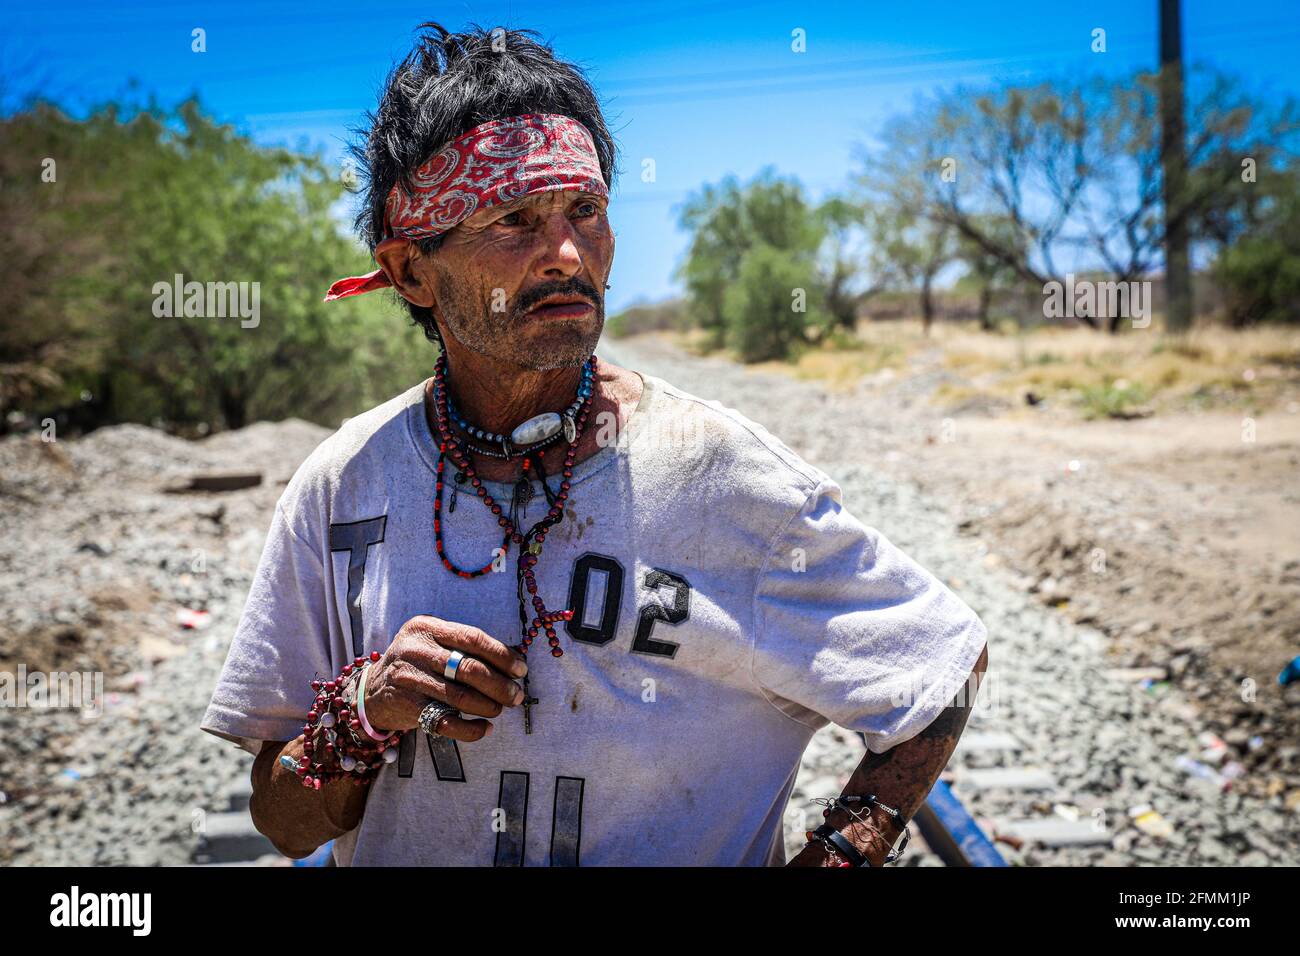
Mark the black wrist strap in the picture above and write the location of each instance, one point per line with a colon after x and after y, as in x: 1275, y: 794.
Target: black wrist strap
x: 835, y: 838
x: 847, y: 804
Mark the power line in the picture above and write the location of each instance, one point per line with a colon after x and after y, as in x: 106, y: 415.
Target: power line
x: 688, y: 11
x: 796, y: 84
x: 1132, y: 40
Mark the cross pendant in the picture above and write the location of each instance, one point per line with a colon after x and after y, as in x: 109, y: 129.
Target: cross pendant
x: 528, y: 709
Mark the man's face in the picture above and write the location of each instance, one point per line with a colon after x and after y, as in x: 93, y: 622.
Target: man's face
x: 524, y: 282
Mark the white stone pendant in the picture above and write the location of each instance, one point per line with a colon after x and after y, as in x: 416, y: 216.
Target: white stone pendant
x: 538, y: 428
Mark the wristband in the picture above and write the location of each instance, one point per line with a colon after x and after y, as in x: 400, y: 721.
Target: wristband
x: 838, y: 842
x: 361, y: 707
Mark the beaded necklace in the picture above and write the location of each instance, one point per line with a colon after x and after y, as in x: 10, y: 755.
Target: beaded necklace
x: 538, y: 431
x: 530, y: 541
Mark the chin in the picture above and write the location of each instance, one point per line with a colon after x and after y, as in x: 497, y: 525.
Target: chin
x: 558, y: 344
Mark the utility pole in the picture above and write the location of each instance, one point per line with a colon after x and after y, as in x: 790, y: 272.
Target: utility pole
x: 1173, y: 161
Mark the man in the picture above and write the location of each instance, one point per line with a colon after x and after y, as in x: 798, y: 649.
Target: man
x: 706, y: 603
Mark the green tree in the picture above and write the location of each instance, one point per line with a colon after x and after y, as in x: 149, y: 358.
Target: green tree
x: 56, y: 240
x: 1260, y: 271
x: 737, y: 232
x: 988, y: 272
x: 847, y: 274
x: 144, y: 195
x: 911, y: 250
x: 767, y: 308
x: 1061, y: 177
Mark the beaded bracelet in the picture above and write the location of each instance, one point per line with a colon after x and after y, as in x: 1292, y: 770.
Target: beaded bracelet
x: 332, y: 747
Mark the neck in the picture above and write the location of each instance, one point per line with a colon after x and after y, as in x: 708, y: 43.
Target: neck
x: 497, y: 395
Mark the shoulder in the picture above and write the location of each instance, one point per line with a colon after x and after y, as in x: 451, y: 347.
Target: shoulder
x: 703, y: 427
x: 717, y: 453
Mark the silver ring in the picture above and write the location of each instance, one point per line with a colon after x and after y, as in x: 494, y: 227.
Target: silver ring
x: 432, y: 715
x: 453, y: 665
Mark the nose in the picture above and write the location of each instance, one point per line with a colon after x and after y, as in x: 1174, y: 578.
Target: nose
x: 559, y: 257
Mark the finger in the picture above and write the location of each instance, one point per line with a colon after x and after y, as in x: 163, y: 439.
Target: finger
x: 422, y: 686
x: 472, y: 672
x: 486, y: 648
x: 458, y: 728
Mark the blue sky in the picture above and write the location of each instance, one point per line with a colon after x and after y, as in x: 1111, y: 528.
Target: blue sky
x: 704, y: 88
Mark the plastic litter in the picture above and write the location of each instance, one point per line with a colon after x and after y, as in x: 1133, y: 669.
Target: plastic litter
x: 1066, y: 811
x: 1195, y: 768
x: 192, y: 619
x: 1010, y: 840
x: 1215, y: 749
x: 1146, y: 819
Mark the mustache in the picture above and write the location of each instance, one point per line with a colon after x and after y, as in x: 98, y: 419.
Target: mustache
x: 574, y: 286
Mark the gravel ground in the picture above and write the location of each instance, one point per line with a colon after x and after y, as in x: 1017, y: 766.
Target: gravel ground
x: 95, y: 562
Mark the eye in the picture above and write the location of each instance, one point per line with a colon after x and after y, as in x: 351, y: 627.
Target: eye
x: 586, y: 209
x: 510, y: 219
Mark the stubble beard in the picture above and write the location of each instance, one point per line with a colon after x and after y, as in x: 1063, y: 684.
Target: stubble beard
x: 504, y: 336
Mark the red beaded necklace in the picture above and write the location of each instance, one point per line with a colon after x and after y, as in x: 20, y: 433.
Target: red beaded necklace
x: 529, y: 542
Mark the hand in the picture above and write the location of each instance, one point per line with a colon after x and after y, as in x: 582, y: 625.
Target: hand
x: 411, y: 672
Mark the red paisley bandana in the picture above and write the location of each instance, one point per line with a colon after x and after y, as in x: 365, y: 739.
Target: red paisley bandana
x: 491, y: 164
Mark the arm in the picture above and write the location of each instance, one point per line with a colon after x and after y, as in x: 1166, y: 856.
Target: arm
x: 901, y: 778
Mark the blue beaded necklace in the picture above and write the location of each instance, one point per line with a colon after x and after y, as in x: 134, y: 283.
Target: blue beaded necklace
x: 538, y: 432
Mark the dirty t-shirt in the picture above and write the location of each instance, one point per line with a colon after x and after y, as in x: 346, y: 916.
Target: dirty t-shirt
x: 726, y: 607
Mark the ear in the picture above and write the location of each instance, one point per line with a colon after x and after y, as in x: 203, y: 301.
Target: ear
x: 407, y: 270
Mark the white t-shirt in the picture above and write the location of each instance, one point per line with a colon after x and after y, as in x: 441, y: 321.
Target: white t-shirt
x: 727, y: 608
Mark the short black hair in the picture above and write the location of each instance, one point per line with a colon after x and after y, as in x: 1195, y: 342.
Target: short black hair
x: 448, y: 84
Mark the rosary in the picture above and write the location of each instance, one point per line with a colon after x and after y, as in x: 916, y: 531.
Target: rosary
x: 524, y: 441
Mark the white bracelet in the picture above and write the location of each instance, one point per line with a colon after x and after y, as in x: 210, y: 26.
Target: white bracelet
x: 361, y: 708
